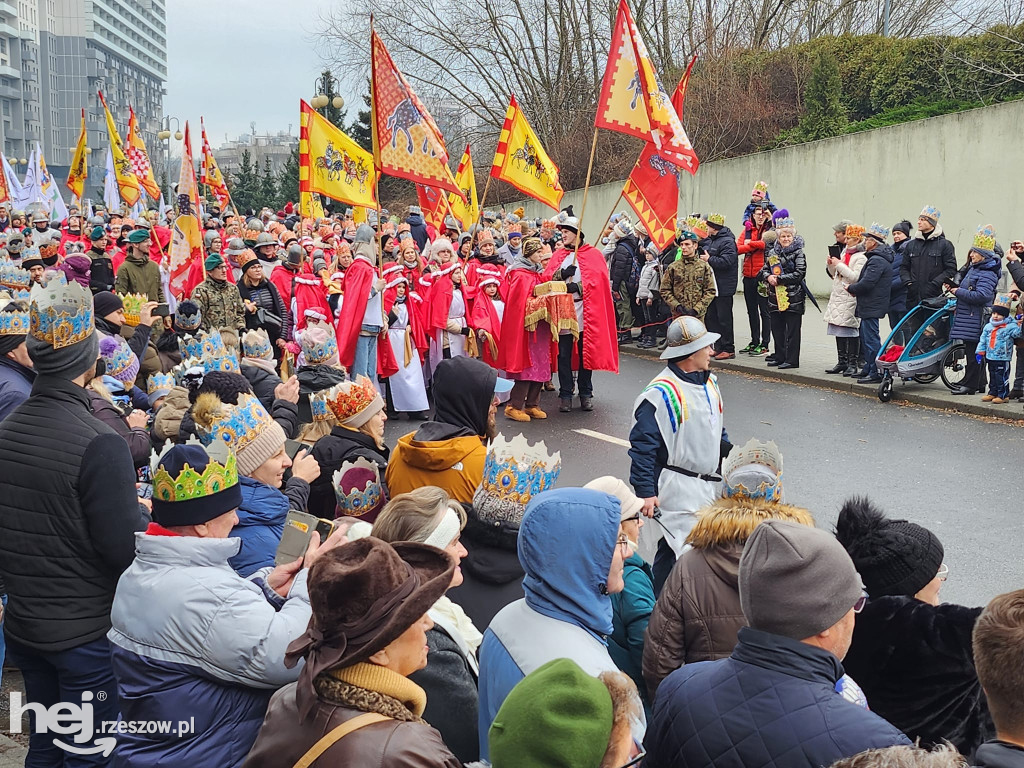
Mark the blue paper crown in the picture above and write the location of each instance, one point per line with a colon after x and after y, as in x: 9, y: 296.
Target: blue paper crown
x: 357, y: 488
x: 319, y: 407
x: 14, y: 320
x: 931, y: 212
x: 13, y: 276
x: 257, y: 344
x: 61, y: 315
x: 122, y: 363
x: 516, y: 472
x: 877, y: 230
x: 238, y: 425
x: 784, y: 223
x: 188, y: 322
x: 160, y: 382
x: 320, y: 352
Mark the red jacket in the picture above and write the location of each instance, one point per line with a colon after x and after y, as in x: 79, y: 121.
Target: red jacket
x: 751, y: 247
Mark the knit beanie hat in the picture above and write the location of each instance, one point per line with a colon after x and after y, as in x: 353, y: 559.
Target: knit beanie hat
x: 106, y: 302
x: 903, y: 226
x: 62, y: 337
x: 193, y: 485
x: 188, y: 317
x: 795, y: 581
x: 246, y: 428
x: 558, y: 716
x: 121, y: 362
x: 894, y: 557
x: 629, y: 502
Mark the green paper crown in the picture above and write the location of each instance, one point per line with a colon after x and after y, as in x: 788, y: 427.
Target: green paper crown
x: 220, y: 473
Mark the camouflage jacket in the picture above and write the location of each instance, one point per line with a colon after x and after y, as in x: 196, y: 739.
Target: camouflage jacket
x: 220, y: 304
x: 689, y: 284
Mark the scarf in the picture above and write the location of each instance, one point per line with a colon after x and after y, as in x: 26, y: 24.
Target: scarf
x: 269, y: 366
x: 452, y: 619
x: 521, y: 262
x: 372, y: 688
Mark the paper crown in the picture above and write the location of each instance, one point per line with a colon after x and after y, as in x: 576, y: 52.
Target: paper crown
x: 220, y: 473
x: 931, y: 212
x: 514, y: 472
x: 319, y: 345
x: 761, y: 186
x: 358, y: 489
x: 121, y: 362
x: 753, y: 472
x: 1003, y: 301
x: 60, y: 314
x: 878, y: 231
x: 785, y: 223
x: 717, y: 219
x: 696, y: 225
x: 188, y: 320
x: 13, y: 317
x: 257, y: 344
x: 319, y: 406
x: 133, y: 307
x: 348, y: 398
x: 856, y: 231
x: 211, y: 352
x: 187, y: 368
x: 13, y: 276
x: 234, y: 425
x: 985, y: 238
x: 160, y: 382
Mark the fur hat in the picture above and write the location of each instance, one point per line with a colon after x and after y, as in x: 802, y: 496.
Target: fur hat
x: 246, y: 428
x: 893, y: 557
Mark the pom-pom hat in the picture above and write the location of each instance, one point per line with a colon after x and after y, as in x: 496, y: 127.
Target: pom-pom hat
x: 121, y: 362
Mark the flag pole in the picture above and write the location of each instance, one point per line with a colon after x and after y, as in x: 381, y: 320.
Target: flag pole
x: 376, y: 154
x: 608, y: 220
x: 586, y: 188
x: 483, y: 200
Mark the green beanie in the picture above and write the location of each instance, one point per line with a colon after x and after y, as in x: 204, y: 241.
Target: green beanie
x: 138, y: 236
x: 556, y: 717
x: 213, y: 261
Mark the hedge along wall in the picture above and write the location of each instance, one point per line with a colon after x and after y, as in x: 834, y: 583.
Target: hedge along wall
x: 970, y: 165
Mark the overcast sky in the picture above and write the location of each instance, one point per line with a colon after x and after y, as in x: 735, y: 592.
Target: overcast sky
x: 240, y: 61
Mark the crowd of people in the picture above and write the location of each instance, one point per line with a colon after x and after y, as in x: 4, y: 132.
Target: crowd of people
x: 446, y: 604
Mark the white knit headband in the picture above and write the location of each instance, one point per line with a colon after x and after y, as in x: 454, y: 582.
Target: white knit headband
x: 446, y: 530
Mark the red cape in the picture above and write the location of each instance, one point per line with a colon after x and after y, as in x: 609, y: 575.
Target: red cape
x: 281, y: 277
x: 485, y: 318
x: 600, y: 338
x: 414, y: 306
x: 513, y: 349
x: 440, y: 299
x: 358, y: 281
x: 476, y: 270
x: 310, y: 293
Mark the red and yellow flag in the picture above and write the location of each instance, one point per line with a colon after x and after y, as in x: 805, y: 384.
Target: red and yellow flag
x: 632, y: 100
x: 434, y: 205
x: 332, y: 164
x: 140, y: 158
x: 680, y: 95
x: 522, y: 162
x: 185, y: 259
x: 209, y: 172
x: 127, y: 181
x: 406, y: 141
x: 79, y: 164
x: 652, y: 191
x: 466, y: 211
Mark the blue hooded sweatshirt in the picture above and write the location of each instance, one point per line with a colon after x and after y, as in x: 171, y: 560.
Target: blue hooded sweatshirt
x: 567, y: 542
x: 260, y: 525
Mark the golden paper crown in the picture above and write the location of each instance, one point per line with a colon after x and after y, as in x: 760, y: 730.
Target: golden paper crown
x: 188, y: 484
x: 856, y: 231
x: 985, y: 238
x: 350, y: 397
x: 133, y: 307
x: 761, y: 186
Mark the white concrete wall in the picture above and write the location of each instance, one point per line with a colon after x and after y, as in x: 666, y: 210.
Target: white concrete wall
x: 970, y: 165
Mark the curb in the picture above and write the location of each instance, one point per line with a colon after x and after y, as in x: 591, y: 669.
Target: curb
x: 900, y: 393
x: 12, y: 754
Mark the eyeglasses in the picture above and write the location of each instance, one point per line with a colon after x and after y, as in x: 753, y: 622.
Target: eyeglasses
x: 943, y: 573
x: 636, y: 760
x: 861, y: 602
x: 634, y: 518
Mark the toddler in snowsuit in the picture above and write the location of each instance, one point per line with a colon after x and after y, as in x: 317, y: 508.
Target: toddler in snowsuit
x: 996, y: 346
x: 648, y: 296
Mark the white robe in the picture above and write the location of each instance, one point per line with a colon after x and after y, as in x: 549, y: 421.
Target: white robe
x: 408, y: 393
x: 455, y: 342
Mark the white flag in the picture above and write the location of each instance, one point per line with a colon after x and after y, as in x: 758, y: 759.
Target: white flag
x: 13, y: 183
x: 51, y: 193
x: 31, y: 190
x: 111, y: 197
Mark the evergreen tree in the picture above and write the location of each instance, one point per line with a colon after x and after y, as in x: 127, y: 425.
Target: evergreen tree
x: 268, y: 186
x: 825, y: 115
x: 288, y: 179
x: 246, y: 188
x: 330, y: 90
x: 361, y: 131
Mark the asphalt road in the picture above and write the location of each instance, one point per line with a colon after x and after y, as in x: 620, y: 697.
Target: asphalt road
x: 957, y: 475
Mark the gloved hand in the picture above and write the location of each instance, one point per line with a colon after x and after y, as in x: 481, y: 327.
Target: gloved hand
x: 979, y: 358
x: 568, y: 272
x: 465, y: 331
x: 573, y: 288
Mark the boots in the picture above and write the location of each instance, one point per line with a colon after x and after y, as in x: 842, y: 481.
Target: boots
x: 852, y: 352
x: 841, y: 346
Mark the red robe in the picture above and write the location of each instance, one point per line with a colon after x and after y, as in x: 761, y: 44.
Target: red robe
x: 476, y: 270
x: 358, y: 282
x: 281, y: 277
x: 440, y: 298
x: 513, y: 351
x: 600, y: 338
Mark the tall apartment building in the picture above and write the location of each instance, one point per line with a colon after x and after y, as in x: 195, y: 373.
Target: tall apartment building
x: 56, y: 54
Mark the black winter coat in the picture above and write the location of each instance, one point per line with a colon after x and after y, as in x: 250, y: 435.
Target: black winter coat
x: 792, y: 271
x: 263, y: 384
x: 137, y: 439
x: 68, y: 517
x: 330, y: 452
x: 897, y: 289
x: 724, y: 259
x: 620, y: 268
x: 265, y: 296
x: 927, y: 264
x: 1016, y: 270
x: 916, y: 665
x: 492, y: 576
x: 875, y: 281
x: 772, y: 704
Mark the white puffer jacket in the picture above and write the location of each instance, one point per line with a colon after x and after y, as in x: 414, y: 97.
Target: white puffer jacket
x: 842, y: 305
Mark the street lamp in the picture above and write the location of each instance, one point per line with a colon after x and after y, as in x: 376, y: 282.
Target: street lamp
x: 322, y: 100
x: 165, y: 136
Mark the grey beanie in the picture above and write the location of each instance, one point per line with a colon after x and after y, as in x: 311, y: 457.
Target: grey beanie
x: 68, y: 362
x: 795, y: 581
x: 842, y: 225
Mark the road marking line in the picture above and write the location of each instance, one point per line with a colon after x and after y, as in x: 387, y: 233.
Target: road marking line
x: 602, y: 436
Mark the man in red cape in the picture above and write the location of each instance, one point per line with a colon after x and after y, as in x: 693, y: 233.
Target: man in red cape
x: 361, y: 315
x: 586, y: 274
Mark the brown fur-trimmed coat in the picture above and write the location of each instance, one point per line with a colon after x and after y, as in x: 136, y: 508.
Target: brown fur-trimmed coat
x: 698, y: 612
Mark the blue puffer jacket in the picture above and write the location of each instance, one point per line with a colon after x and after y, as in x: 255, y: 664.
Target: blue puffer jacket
x: 976, y: 292
x: 260, y: 524
x: 772, y: 704
x: 996, y: 341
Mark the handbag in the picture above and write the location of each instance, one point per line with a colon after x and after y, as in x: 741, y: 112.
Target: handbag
x: 337, y: 734
x: 269, y: 320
